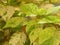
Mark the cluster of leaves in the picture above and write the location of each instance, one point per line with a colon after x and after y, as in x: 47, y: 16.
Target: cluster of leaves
x: 28, y: 24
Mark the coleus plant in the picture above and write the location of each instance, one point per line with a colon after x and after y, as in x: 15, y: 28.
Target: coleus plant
x: 32, y: 25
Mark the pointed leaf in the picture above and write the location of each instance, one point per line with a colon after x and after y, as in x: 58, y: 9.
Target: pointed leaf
x: 15, y: 22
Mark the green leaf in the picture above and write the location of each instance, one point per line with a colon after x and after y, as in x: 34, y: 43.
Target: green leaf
x: 29, y: 8
x: 42, y: 11
x: 12, y: 2
x: 53, y: 19
x: 46, y: 34
x: 50, y: 19
x: 48, y: 42
x: 42, y: 34
x: 30, y: 26
x: 34, y: 35
x: 55, y: 40
x: 27, y: 42
x: 15, y: 22
x: 53, y: 10
x: 2, y: 23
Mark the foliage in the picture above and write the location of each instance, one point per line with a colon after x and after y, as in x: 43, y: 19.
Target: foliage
x: 24, y: 22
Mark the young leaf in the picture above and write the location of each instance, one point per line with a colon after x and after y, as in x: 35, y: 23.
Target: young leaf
x: 42, y: 11
x: 29, y: 8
